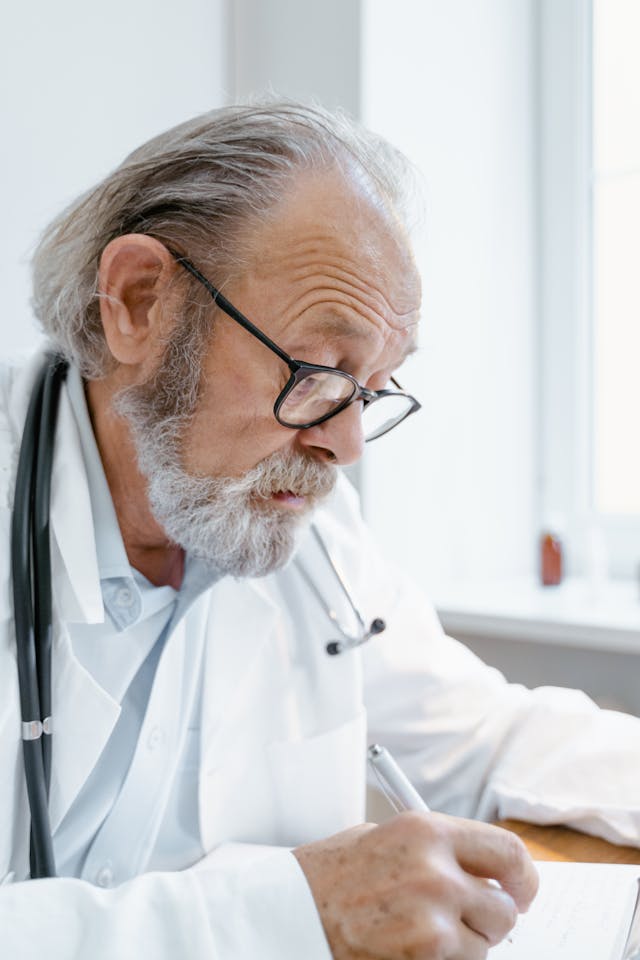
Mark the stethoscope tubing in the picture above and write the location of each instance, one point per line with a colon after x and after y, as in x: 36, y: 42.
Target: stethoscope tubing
x: 30, y: 555
x: 42, y: 551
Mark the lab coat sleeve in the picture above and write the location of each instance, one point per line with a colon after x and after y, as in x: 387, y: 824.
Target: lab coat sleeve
x: 476, y: 745
x: 239, y: 903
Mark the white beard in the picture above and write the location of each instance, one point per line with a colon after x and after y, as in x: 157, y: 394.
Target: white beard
x: 225, y: 521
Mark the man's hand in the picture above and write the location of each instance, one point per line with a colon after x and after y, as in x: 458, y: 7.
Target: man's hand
x: 419, y: 887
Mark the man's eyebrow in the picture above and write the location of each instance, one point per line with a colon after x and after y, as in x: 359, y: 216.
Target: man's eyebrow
x: 337, y: 326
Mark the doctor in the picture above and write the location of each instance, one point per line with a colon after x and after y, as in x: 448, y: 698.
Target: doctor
x: 207, y: 790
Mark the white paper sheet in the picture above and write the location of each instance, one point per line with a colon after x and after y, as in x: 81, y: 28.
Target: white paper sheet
x: 583, y: 911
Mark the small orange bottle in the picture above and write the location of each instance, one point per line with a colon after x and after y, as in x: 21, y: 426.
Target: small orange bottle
x: 550, y: 559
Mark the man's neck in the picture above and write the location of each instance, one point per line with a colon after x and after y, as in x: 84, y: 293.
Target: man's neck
x: 148, y: 549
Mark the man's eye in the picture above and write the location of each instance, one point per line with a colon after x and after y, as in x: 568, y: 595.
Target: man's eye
x: 302, y: 390
x: 307, y: 389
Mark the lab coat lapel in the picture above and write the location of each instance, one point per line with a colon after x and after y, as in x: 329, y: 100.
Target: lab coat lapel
x: 84, y: 716
x: 78, y: 593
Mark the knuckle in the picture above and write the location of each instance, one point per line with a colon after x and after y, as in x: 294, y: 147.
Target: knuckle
x: 411, y: 819
x: 511, y: 916
x: 430, y: 827
x: 516, y: 854
x: 504, y: 918
x: 442, y: 883
x: 413, y: 831
x: 521, y: 877
x: 449, y: 881
x: 439, y: 940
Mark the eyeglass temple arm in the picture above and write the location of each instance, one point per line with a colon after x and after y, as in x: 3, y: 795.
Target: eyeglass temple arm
x: 221, y: 301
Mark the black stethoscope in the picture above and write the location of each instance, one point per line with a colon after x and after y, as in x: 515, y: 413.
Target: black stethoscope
x: 31, y: 572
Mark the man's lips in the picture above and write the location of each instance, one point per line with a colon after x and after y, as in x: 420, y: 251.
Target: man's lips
x: 289, y: 498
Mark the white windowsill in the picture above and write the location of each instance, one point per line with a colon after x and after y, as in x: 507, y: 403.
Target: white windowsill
x: 575, y: 614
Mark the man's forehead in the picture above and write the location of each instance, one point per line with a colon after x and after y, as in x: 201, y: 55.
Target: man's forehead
x: 329, y: 223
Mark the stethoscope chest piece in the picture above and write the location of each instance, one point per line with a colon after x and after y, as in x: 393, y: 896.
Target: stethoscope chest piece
x: 348, y: 643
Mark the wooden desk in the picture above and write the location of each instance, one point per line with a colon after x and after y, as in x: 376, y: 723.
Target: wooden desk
x: 560, y: 843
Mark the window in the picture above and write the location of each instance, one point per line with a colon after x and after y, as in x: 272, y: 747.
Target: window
x: 616, y: 255
x: 589, y: 189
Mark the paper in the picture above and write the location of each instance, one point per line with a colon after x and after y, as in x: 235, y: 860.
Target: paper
x: 583, y: 911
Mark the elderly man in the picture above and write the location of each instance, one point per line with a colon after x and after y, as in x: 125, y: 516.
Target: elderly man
x: 234, y: 303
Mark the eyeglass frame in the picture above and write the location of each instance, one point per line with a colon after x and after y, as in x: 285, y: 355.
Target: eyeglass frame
x: 299, y: 369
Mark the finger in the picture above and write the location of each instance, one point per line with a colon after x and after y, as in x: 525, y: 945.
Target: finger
x: 472, y: 946
x: 489, y: 910
x: 488, y: 851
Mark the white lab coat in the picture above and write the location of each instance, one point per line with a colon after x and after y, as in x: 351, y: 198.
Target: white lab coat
x: 284, y: 731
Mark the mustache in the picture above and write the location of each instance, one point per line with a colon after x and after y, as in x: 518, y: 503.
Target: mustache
x: 285, y: 471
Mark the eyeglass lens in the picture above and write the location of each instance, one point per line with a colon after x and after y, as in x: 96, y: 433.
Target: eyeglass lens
x: 315, y: 397
x: 320, y: 393
x: 383, y: 414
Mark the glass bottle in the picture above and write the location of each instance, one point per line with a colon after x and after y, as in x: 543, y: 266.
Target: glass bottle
x: 550, y: 559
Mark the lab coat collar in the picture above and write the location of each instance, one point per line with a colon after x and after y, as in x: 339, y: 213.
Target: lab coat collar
x: 73, y: 548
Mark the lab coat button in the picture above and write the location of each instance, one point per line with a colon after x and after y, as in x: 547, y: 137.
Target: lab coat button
x: 155, y: 738
x: 124, y: 597
x: 104, y: 876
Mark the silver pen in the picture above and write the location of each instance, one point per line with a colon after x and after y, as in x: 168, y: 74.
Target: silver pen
x: 397, y: 788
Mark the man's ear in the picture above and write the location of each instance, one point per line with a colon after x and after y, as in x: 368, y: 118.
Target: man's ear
x: 134, y: 273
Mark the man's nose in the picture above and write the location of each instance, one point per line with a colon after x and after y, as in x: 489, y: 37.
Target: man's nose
x: 338, y: 440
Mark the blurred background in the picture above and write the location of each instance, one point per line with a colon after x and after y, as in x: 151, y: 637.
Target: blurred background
x: 523, y: 120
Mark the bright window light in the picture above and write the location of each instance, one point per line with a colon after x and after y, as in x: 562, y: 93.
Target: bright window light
x: 616, y: 255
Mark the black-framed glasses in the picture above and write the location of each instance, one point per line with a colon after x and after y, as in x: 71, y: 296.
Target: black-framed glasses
x: 314, y: 393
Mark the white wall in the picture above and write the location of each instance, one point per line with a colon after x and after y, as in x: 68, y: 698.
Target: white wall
x: 298, y: 48
x: 80, y: 86
x: 453, y: 84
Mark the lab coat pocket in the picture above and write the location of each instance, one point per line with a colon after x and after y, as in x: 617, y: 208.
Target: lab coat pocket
x: 319, y: 782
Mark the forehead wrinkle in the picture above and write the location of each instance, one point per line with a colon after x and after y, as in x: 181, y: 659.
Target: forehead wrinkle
x: 343, y: 316
x: 370, y: 294
x: 343, y: 295
x: 335, y: 325
x: 305, y: 259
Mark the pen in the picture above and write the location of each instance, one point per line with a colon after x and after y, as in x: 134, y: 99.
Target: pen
x: 397, y: 788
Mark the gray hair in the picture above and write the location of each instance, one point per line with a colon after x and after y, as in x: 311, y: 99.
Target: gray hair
x: 195, y: 188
